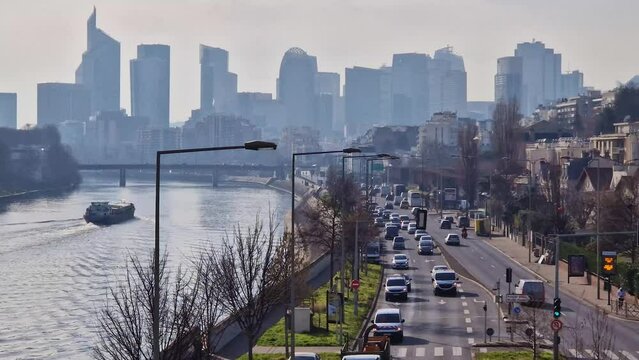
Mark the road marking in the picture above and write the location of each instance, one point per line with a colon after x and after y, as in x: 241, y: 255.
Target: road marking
x: 419, y: 352
x: 483, y: 350
x: 492, y: 266
x: 460, y: 290
x: 439, y: 351
x: 479, y: 301
x: 457, y: 351
x: 573, y: 352
x: 481, y: 257
x: 468, y: 320
x: 590, y: 353
x: 471, y: 341
x: 628, y: 355
x: 462, y: 297
x: 401, y: 352
x: 464, y: 303
x: 611, y: 355
x: 466, y: 312
x: 441, y: 302
x: 469, y: 330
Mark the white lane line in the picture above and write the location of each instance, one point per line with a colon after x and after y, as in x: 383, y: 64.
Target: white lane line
x: 419, y: 352
x: 462, y: 297
x: 466, y: 312
x: 611, y: 355
x: 467, y: 320
x: 471, y: 341
x: 439, y: 351
x: 628, y: 355
x: 589, y: 352
x: 457, y: 351
x: 464, y: 303
x: 469, y: 330
x: 481, y: 257
x: 483, y: 350
x: 573, y: 352
x: 492, y: 266
x: 401, y: 352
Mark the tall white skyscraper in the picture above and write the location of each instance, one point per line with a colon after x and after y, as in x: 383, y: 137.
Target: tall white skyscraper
x: 541, y: 75
x: 508, y: 80
x: 218, y: 86
x: 150, y: 84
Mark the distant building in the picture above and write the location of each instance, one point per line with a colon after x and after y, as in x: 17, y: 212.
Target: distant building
x: 218, y: 86
x: 296, y: 88
x: 151, y: 140
x: 112, y: 137
x: 508, y: 80
x: 480, y: 110
x: 572, y: 84
x: 622, y: 146
x: 447, y: 82
x: 218, y: 130
x: 327, y: 85
x: 440, y: 131
x: 298, y: 139
x: 150, y: 84
x: 410, y: 88
x: 392, y: 139
x: 541, y: 75
x: 8, y: 110
x: 58, y: 102
x: 99, y: 70
x: 263, y: 111
x: 366, y: 97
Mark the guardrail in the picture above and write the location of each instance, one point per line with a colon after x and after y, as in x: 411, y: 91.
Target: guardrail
x: 629, y: 311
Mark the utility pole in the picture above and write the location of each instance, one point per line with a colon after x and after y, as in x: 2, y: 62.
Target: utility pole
x: 356, y: 268
x: 555, y: 343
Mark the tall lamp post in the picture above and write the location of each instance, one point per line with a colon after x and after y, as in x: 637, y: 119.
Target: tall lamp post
x: 292, y: 240
x: 251, y: 145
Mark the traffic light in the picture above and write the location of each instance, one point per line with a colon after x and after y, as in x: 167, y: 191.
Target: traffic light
x: 609, y: 263
x: 509, y: 275
x: 556, y: 312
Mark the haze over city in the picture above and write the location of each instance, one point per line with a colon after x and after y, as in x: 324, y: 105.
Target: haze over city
x: 43, y: 41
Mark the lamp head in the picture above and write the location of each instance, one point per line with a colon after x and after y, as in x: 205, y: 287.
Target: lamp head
x: 259, y: 145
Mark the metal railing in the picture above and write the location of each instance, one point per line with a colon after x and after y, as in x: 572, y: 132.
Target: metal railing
x: 629, y: 311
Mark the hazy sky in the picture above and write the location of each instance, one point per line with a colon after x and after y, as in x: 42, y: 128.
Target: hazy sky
x: 43, y: 40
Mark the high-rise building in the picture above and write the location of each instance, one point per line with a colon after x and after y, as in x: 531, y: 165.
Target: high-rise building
x: 263, y: 111
x: 447, y: 82
x: 296, y: 88
x: 541, y: 75
x: 58, y: 102
x: 367, y: 99
x: 99, y: 71
x: 150, y: 84
x: 327, y: 89
x: 218, y: 86
x: 8, y: 110
x: 410, y: 89
x: 508, y: 80
x: 572, y: 84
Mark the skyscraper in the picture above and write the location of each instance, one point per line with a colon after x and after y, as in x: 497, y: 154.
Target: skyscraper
x: 8, y: 110
x: 59, y: 102
x: 572, y: 84
x: 218, y: 86
x: 410, y: 89
x: 99, y: 71
x: 327, y: 91
x: 508, y: 80
x: 150, y: 84
x: 296, y: 88
x: 447, y: 82
x: 366, y: 93
x: 541, y: 75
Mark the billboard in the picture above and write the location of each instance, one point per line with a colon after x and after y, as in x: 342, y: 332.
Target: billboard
x: 450, y: 194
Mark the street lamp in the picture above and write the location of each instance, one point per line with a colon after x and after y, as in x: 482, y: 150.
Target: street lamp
x: 251, y: 145
x: 292, y: 240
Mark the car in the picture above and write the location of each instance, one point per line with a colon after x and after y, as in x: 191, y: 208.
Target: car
x: 389, y: 322
x: 425, y: 246
x: 435, y: 269
x: 379, y: 222
x: 305, y: 356
x: 419, y: 233
x: 395, y: 288
x: 389, y: 205
x: 445, y: 282
x: 404, y: 225
x: 400, y: 261
x: 463, y: 222
x: 450, y: 218
x: 362, y: 357
x: 389, y: 197
x: 386, y: 214
x: 426, y: 237
x: 397, y: 200
x: 534, y: 289
x: 412, y: 226
x: 394, y: 215
x: 391, y: 230
x: 452, y: 239
x: 404, y: 217
x: 408, y: 280
x: 398, y: 243
x: 404, y: 204
x: 444, y: 224
x: 396, y: 221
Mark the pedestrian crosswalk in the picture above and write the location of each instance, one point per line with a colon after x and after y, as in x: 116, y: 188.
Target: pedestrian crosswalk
x: 443, y: 352
x: 447, y: 352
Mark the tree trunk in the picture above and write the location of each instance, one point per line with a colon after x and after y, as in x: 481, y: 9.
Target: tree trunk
x: 250, y: 347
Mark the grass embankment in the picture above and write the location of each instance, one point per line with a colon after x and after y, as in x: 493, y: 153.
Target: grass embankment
x: 511, y: 355
x: 318, y: 335
x: 324, y: 356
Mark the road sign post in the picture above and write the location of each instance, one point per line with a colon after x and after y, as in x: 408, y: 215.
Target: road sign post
x: 490, y: 333
x: 485, y: 321
x: 556, y: 325
x: 355, y: 284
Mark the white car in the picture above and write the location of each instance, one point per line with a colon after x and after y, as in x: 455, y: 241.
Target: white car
x: 452, y: 239
x: 305, y: 356
x: 389, y: 322
x: 435, y: 269
x: 400, y: 261
x: 404, y: 225
x: 412, y: 226
x: 419, y: 233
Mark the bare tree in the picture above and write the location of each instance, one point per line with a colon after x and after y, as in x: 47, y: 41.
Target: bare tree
x: 536, y: 328
x: 125, y: 323
x: 507, y: 136
x: 603, y: 340
x: 469, y: 151
x: 250, y: 272
x: 580, y: 207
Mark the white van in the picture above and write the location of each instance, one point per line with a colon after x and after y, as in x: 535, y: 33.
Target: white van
x: 535, y: 289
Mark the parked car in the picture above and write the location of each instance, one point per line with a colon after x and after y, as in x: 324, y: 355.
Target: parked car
x: 419, y: 233
x: 362, y: 357
x: 400, y: 261
x: 379, y: 222
x: 408, y: 280
x: 389, y: 322
x: 425, y: 246
x: 395, y: 288
x: 412, y: 226
x: 444, y: 224
x: 404, y: 225
x: 534, y: 289
x: 452, y: 239
x: 445, y: 281
x: 399, y: 243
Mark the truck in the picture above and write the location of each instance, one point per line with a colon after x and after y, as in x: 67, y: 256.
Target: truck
x: 371, y: 345
x: 398, y: 189
x: 373, y: 252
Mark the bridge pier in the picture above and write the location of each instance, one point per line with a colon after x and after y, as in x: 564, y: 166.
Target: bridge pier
x: 214, y: 178
x: 122, y: 177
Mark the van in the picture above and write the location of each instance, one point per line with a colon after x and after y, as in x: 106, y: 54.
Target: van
x: 463, y: 222
x: 373, y: 252
x: 392, y: 230
x: 535, y: 289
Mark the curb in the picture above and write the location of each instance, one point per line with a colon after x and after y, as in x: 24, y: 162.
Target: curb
x: 373, y: 304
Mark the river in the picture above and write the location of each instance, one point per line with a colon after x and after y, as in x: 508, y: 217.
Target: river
x: 55, y: 269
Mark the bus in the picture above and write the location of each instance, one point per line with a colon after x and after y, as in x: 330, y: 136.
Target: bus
x: 414, y: 198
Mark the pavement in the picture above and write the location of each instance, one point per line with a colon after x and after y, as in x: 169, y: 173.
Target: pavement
x: 298, y: 349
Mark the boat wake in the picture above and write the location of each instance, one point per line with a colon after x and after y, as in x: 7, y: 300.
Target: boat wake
x: 41, y: 222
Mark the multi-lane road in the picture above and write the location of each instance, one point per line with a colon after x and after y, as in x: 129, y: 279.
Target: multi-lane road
x: 446, y: 327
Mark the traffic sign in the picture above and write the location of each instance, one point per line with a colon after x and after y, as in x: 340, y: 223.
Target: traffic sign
x: 516, y: 309
x: 355, y: 284
x: 556, y: 325
x: 490, y: 331
x: 516, y: 298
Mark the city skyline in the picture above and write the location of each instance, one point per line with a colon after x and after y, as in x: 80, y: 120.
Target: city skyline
x: 344, y: 41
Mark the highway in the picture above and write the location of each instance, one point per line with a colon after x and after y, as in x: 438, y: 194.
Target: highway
x: 437, y: 326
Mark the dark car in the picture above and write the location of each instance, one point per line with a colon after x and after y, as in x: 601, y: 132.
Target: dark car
x: 389, y: 205
x: 379, y: 222
x: 390, y: 197
x: 450, y: 218
x: 463, y: 222
x: 445, y: 224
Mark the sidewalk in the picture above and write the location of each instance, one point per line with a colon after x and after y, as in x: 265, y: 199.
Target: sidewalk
x: 298, y: 349
x: 578, y: 287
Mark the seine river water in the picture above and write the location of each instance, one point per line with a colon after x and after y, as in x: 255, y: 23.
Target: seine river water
x: 55, y: 269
